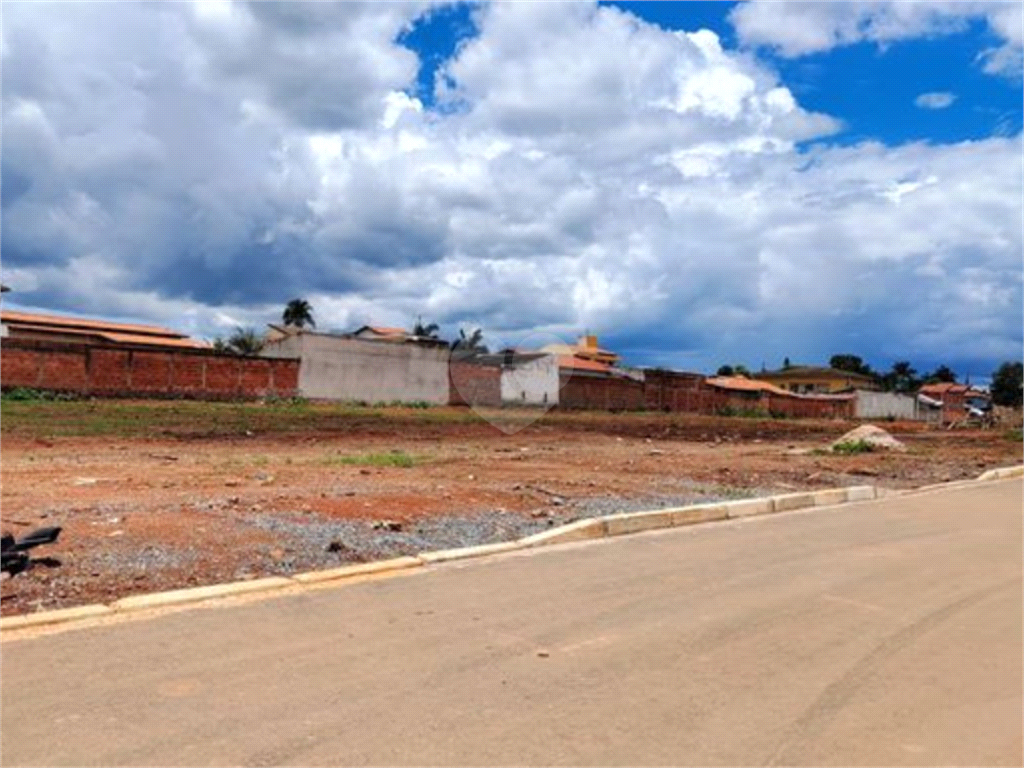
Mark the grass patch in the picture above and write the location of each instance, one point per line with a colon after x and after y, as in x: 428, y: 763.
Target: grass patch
x: 389, y: 459
x: 26, y: 415
x: 853, y: 447
x: 1014, y: 435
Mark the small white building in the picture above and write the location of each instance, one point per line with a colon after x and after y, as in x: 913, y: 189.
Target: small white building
x: 527, y: 378
x: 530, y: 379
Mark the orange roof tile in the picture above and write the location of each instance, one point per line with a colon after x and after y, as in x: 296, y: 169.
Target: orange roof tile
x: 743, y: 384
x: 135, y: 338
x: 120, y: 338
x: 944, y: 387
x: 52, y: 322
x: 386, y: 331
x: 582, y: 364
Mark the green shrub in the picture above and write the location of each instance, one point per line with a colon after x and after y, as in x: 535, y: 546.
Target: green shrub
x: 391, y: 459
x: 852, y: 447
x: 27, y: 394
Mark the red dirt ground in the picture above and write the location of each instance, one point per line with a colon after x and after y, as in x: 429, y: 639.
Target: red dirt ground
x: 142, y: 514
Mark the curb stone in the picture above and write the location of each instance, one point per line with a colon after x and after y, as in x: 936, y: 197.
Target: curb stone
x: 626, y: 522
x: 749, y: 508
x: 702, y: 513
x: 580, y: 530
x: 447, y: 555
x: 360, y: 569
x: 198, y: 594
x: 60, y: 616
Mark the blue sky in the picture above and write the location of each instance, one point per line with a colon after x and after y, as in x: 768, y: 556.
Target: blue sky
x: 695, y: 182
x: 872, y: 89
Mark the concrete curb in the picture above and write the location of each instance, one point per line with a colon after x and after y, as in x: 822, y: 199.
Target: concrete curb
x: 581, y: 530
x: 1002, y: 473
x: 61, y: 616
x: 463, y: 553
x: 198, y: 594
x: 361, y: 569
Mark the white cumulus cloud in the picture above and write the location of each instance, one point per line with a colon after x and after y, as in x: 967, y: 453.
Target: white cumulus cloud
x: 935, y: 100
x: 201, y: 165
x: 799, y: 27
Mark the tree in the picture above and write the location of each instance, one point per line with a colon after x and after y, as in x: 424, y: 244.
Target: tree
x: 426, y: 331
x: 734, y: 370
x: 786, y: 364
x: 902, y: 377
x: 298, y: 313
x: 1006, y: 384
x: 245, y: 341
x: 851, y: 364
x: 471, y: 344
x: 942, y: 374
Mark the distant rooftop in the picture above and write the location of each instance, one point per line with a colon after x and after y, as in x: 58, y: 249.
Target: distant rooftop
x: 33, y: 324
x: 811, y: 370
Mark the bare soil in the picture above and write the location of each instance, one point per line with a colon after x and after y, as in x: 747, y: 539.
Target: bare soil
x: 156, y: 496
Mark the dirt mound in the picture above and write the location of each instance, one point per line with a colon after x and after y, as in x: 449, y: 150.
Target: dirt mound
x: 869, y: 435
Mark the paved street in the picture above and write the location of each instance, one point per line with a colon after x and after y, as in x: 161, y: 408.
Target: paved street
x: 880, y: 633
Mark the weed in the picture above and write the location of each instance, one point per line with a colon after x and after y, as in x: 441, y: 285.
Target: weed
x: 852, y: 447
x: 1014, y: 435
x: 27, y: 394
x: 392, y: 459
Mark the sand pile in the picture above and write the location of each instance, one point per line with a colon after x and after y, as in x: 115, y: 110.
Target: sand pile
x: 874, y: 436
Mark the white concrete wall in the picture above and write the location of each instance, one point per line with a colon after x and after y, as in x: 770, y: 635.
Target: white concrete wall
x: 335, y: 368
x: 532, y: 383
x: 882, y: 405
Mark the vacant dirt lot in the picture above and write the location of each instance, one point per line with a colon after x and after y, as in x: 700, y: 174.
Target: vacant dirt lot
x: 156, y: 496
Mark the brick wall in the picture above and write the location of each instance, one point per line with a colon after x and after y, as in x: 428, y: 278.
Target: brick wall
x: 591, y: 392
x: 116, y: 372
x: 687, y: 393
x: 471, y: 384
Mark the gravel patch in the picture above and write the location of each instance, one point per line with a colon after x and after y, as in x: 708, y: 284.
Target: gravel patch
x: 304, y: 541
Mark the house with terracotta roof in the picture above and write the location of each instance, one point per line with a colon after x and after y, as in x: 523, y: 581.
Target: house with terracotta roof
x: 80, y: 330
x: 811, y: 379
x: 953, y: 399
x: 586, y: 348
x: 381, y: 333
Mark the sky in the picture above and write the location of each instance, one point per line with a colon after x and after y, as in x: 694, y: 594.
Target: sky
x: 695, y: 183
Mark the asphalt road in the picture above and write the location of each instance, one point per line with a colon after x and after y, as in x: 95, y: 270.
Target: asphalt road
x: 883, y: 633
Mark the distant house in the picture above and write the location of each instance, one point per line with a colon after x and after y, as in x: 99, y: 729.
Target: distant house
x: 953, y: 398
x: 813, y: 380
x: 526, y: 378
x: 80, y: 330
x: 744, y: 387
x: 366, y: 366
x: 584, y: 357
x: 380, y: 333
x: 3, y: 328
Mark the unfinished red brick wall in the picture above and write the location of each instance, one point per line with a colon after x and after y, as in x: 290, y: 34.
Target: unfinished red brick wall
x: 115, y: 372
x: 470, y: 384
x: 688, y: 393
x: 589, y: 392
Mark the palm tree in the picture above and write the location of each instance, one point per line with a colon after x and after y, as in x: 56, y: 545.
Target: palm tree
x: 245, y: 341
x: 902, y: 377
x: 465, y: 346
x: 426, y: 331
x: 299, y: 313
